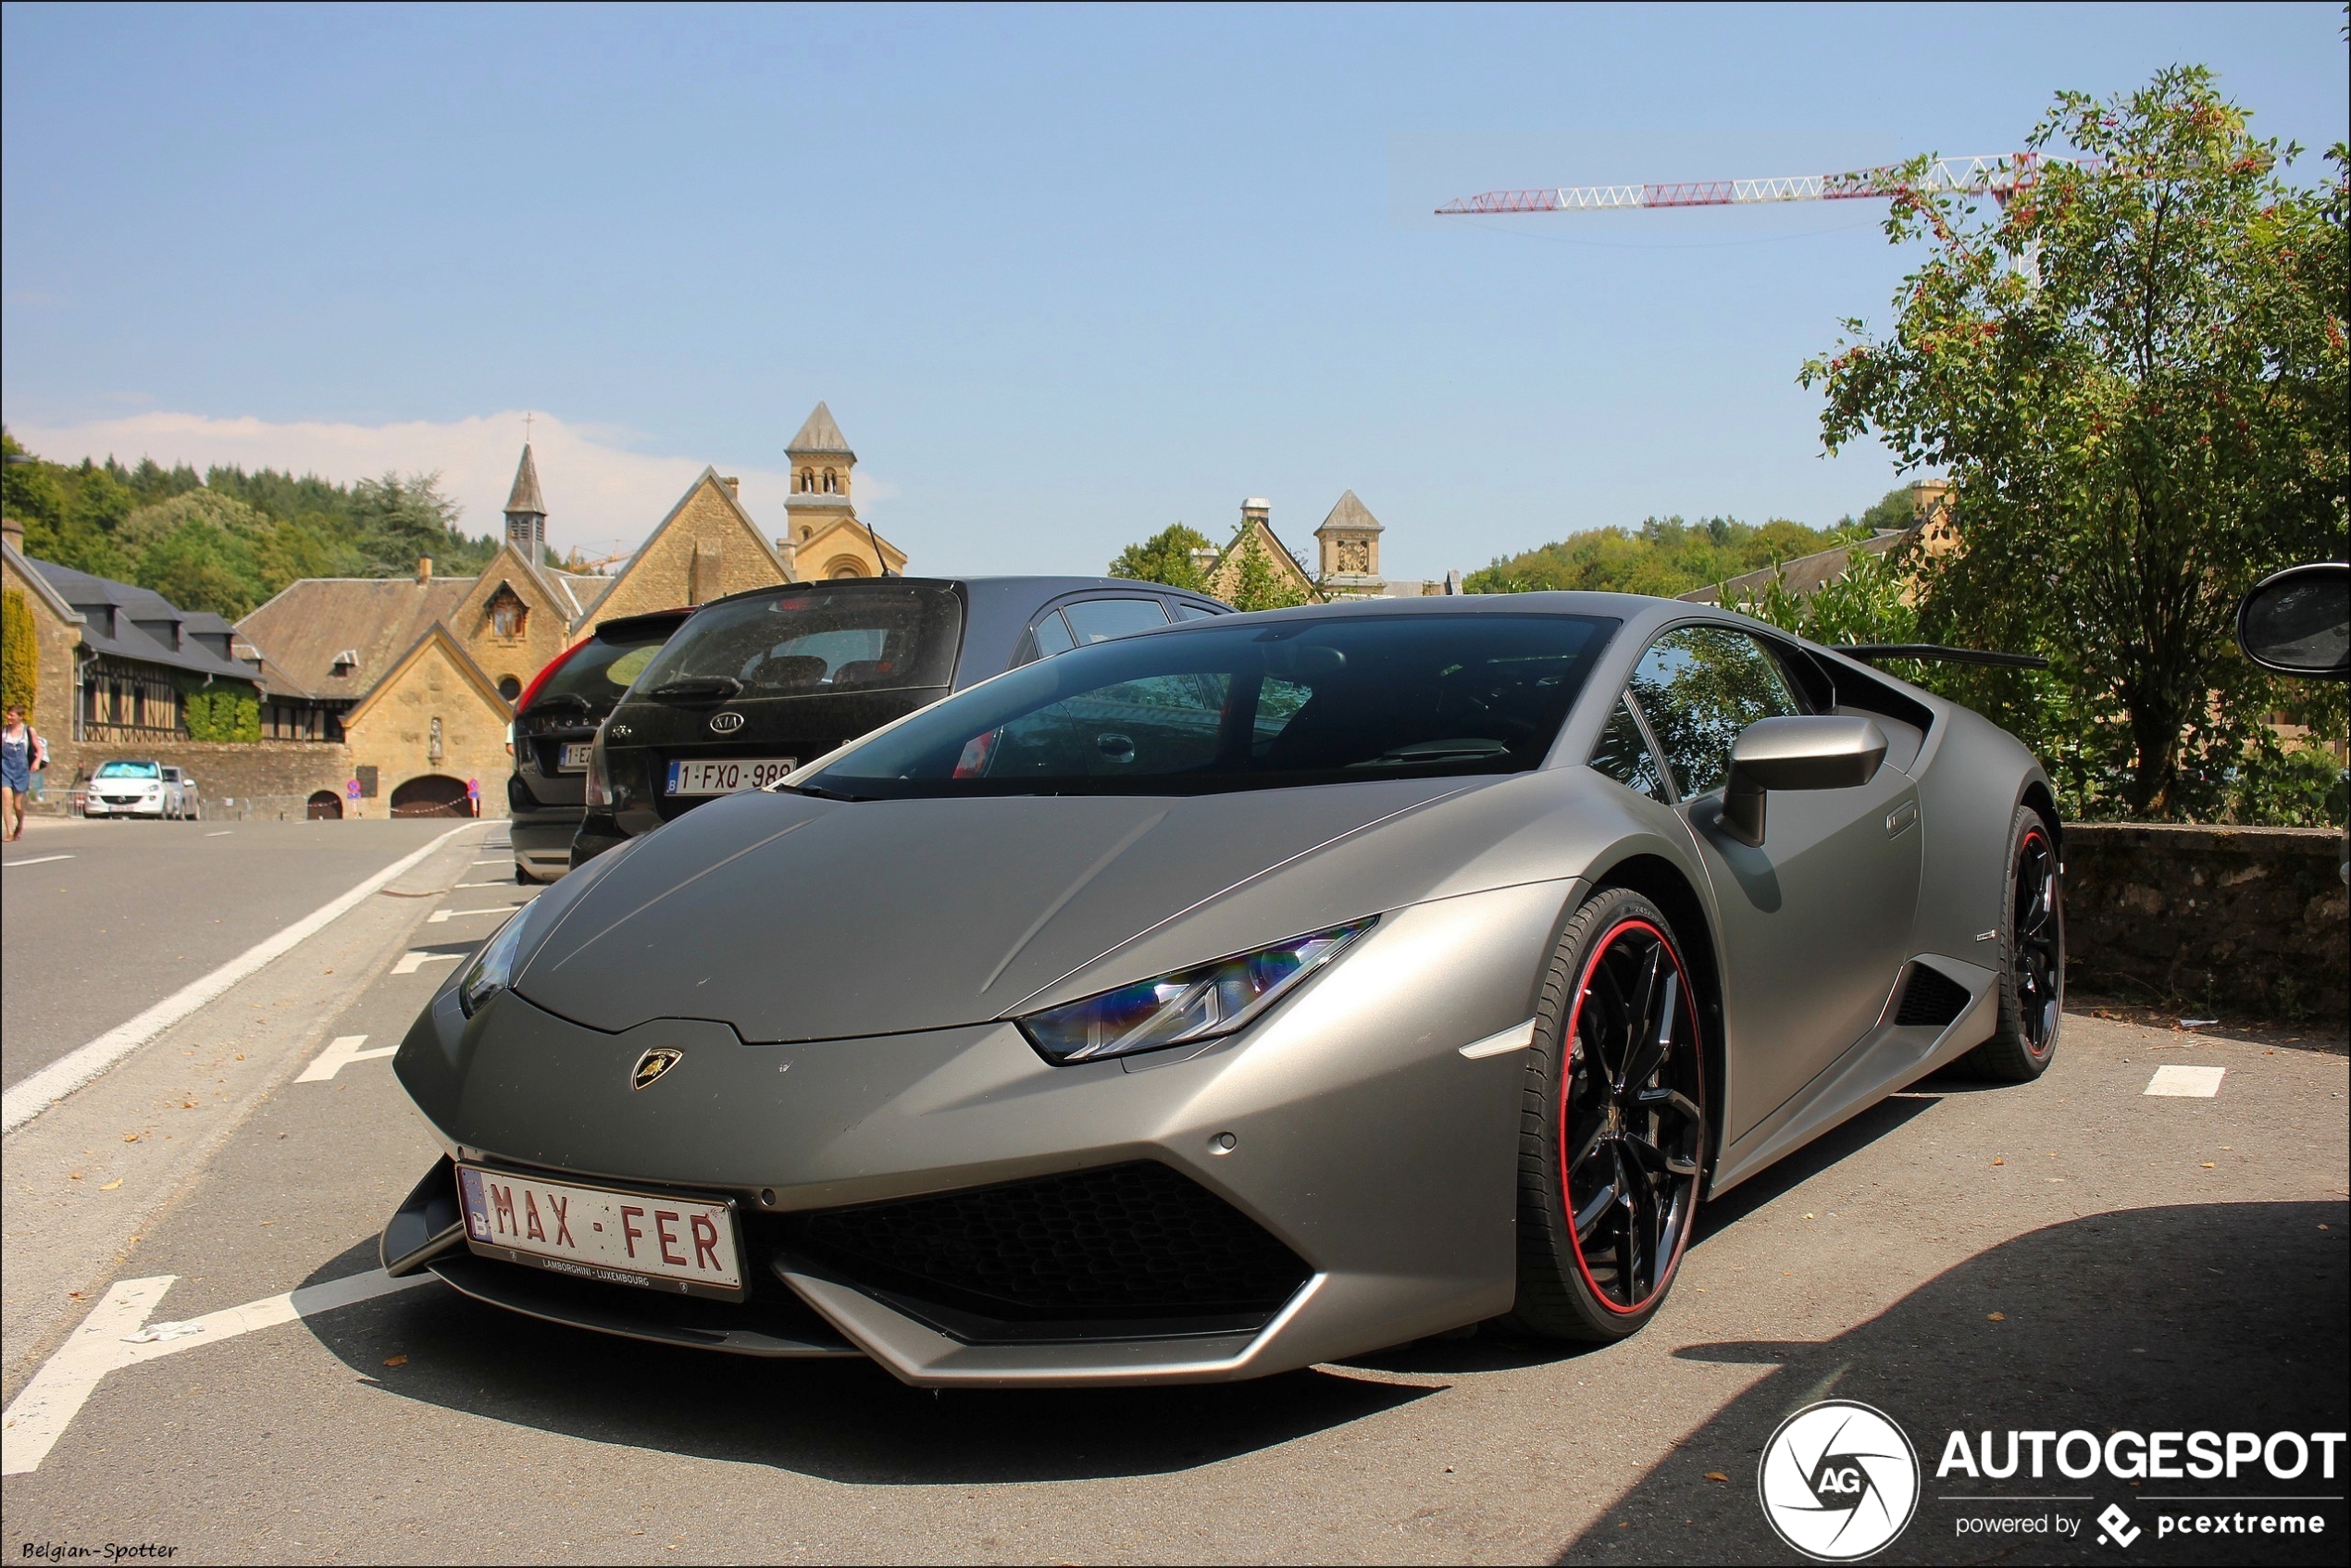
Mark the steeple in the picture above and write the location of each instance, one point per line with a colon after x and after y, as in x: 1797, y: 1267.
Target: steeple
x: 1349, y: 539
x: 527, y: 513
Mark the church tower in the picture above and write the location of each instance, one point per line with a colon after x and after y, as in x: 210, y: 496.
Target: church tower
x: 527, y: 513
x: 1349, y: 539
x: 823, y: 537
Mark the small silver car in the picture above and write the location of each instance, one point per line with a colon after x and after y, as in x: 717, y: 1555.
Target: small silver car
x: 1239, y: 995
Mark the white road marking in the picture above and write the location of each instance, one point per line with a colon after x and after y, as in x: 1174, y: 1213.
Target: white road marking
x: 2186, y: 1083
x: 343, y: 1051
x: 496, y: 859
x: 115, y: 1336
x: 31, y: 1096
x: 416, y: 958
x: 1518, y: 1037
x: 40, y: 860
x: 509, y: 883
x: 438, y: 916
x: 222, y: 834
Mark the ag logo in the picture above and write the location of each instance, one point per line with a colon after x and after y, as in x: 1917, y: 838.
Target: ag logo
x: 651, y: 1064
x: 727, y: 723
x: 1838, y: 1480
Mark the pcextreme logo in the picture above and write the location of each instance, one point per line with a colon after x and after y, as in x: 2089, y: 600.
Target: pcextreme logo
x: 1839, y: 1481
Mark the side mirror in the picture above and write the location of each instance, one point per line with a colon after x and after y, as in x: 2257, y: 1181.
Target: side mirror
x: 2298, y: 621
x: 1826, y: 753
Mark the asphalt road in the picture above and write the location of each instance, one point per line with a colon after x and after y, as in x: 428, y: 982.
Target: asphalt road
x: 99, y: 920
x: 2074, y: 1253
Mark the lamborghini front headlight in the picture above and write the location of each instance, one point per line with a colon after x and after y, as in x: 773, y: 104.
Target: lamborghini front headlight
x: 1190, y: 1005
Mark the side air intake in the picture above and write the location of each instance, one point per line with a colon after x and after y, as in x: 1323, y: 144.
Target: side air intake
x: 1931, y: 999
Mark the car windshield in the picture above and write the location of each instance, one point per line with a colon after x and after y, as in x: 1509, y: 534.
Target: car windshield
x: 1255, y: 705
x: 129, y: 770
x: 811, y: 638
x: 599, y: 672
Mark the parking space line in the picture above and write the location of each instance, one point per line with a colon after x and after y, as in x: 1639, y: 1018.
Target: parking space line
x: 39, y: 860
x: 343, y: 1051
x: 416, y: 958
x: 31, y: 1096
x: 222, y: 834
x: 440, y: 915
x: 502, y: 884
x: 39, y: 1415
x: 2185, y: 1083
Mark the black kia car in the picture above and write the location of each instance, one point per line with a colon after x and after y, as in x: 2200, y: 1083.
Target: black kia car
x: 758, y: 683
x: 554, y: 730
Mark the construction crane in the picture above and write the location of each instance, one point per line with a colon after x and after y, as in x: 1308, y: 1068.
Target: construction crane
x: 1999, y: 175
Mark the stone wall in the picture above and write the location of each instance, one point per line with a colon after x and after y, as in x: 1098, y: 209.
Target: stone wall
x: 222, y: 769
x: 2220, y: 919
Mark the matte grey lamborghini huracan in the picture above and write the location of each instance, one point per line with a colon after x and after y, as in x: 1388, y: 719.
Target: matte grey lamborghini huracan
x: 1239, y: 996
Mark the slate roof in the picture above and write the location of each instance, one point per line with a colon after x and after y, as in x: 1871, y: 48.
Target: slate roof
x: 310, y: 622
x: 525, y: 496
x: 1806, y: 575
x: 130, y: 622
x: 819, y: 434
x: 1353, y: 515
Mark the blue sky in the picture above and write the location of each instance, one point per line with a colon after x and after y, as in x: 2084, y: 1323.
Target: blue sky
x: 1064, y: 275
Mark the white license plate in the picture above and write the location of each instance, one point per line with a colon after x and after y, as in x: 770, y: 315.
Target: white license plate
x: 573, y: 757
x: 597, y: 1233
x: 728, y: 775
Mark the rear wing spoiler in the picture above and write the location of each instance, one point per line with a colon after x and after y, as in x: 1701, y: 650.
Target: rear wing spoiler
x: 1871, y: 653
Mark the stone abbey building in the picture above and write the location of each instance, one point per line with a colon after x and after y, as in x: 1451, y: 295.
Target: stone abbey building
x: 391, y: 695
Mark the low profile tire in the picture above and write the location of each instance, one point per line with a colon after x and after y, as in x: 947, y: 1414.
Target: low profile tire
x: 2032, y: 958
x: 1613, y: 1128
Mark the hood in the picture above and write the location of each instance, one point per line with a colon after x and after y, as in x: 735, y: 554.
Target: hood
x: 795, y: 919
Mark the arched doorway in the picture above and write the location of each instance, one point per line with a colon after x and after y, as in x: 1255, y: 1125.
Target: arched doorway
x: 325, y: 806
x: 431, y: 794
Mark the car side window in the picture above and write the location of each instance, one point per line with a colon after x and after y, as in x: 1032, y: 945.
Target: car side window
x: 1098, y: 620
x: 1698, y: 687
x: 1186, y: 611
x: 1052, y: 637
x: 1623, y: 754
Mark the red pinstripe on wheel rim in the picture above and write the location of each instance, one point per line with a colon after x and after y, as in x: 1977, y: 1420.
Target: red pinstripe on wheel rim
x: 1632, y: 1121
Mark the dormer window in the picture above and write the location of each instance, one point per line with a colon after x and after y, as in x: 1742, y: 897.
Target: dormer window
x: 346, y: 661
x: 509, y: 617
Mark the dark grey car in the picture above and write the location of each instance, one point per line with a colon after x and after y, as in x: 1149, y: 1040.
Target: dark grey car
x: 1230, y: 997
x: 760, y: 682
x: 555, y: 728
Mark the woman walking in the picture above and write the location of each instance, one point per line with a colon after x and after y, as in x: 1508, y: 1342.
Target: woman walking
x: 22, y: 755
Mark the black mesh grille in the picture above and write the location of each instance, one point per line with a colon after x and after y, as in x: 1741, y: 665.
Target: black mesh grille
x: 1125, y: 1242
x: 1931, y: 998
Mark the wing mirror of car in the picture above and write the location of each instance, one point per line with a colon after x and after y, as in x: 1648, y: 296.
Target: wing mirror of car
x: 1826, y: 751
x: 2298, y: 621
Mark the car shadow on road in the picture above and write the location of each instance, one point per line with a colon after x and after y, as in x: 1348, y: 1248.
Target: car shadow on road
x: 839, y: 1420
x: 2220, y: 1317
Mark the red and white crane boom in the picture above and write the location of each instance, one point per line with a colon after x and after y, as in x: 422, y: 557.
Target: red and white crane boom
x: 1996, y: 175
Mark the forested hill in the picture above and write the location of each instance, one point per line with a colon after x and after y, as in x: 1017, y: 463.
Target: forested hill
x: 1667, y: 556
x: 227, y: 540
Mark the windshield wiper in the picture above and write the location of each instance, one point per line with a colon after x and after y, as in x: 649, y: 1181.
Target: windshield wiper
x: 703, y: 688
x: 818, y: 792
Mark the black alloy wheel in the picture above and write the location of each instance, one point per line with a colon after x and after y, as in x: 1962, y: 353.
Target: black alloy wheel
x: 1625, y: 1130
x: 2032, y: 950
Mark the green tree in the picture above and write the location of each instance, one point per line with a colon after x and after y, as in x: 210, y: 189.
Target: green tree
x: 2134, y: 374
x: 1165, y: 557
x: 1256, y: 585
x: 1869, y: 603
x: 1666, y: 557
x: 19, y: 653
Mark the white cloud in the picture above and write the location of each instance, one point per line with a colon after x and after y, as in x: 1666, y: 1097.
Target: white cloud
x: 601, y: 496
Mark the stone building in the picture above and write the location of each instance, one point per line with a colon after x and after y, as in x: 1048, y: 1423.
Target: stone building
x: 1349, y: 541
x: 1256, y: 531
x: 823, y: 537
x: 416, y: 678
x: 117, y: 666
